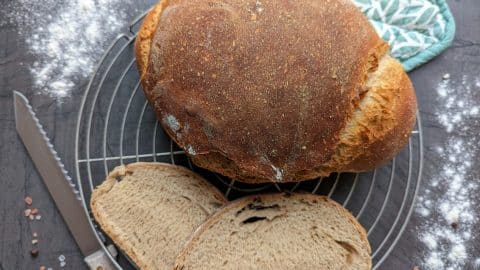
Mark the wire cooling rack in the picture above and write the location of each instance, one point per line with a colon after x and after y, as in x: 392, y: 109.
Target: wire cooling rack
x: 116, y: 126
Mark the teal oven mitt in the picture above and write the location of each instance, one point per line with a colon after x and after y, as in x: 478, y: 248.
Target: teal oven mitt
x: 417, y: 30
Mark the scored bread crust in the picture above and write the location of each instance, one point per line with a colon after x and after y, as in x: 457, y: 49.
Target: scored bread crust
x: 289, y: 135
x: 243, y: 201
x: 111, y: 181
x: 382, y: 122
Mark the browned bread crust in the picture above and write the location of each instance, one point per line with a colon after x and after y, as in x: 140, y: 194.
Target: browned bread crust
x: 145, y: 35
x: 274, y: 90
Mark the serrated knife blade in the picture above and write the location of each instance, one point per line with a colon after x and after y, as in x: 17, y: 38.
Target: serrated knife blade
x: 59, y: 184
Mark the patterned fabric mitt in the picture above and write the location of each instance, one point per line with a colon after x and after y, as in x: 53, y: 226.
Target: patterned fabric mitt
x: 417, y: 30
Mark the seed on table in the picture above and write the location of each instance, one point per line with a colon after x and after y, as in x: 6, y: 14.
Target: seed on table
x: 34, y: 252
x: 34, y: 241
x: 62, y: 264
x: 35, y: 234
x: 38, y: 217
x: 28, y: 200
x: 61, y: 258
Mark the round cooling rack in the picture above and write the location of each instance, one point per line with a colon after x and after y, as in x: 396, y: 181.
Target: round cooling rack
x: 116, y: 126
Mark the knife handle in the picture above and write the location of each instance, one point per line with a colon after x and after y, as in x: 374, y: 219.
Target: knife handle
x: 100, y: 261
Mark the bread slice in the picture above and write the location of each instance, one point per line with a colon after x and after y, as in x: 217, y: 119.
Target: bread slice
x: 300, y: 231
x: 150, y: 210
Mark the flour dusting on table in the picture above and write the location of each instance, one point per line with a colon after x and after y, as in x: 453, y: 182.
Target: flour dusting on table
x: 67, y: 37
x: 449, y: 223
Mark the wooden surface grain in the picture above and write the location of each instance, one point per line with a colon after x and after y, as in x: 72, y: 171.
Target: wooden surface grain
x: 19, y: 178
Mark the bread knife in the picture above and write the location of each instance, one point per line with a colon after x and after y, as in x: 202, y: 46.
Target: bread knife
x: 60, y: 185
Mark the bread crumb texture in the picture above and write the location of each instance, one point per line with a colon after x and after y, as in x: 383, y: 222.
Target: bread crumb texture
x: 278, y: 232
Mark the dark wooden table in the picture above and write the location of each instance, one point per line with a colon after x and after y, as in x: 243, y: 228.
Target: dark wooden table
x: 19, y: 178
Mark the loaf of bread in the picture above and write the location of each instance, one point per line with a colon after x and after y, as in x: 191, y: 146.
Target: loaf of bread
x: 300, y: 231
x: 150, y: 210
x: 282, y: 91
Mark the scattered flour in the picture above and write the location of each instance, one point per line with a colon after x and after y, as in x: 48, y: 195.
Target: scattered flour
x: 191, y: 150
x: 278, y: 173
x: 172, y: 122
x: 66, y: 37
x: 258, y: 7
x: 449, y: 223
x: 430, y: 241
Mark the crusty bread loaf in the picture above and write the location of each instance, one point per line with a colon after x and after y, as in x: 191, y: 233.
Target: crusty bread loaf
x: 274, y: 90
x: 150, y: 209
x: 300, y: 231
